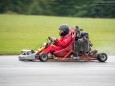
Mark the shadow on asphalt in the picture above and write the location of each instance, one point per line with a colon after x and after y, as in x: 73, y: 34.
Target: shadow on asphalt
x: 78, y: 61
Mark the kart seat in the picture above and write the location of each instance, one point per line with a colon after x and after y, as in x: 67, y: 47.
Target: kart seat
x: 68, y: 50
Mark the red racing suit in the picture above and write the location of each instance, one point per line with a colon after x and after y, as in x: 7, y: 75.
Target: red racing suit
x: 59, y: 44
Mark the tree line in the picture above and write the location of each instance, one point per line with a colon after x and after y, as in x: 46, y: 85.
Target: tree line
x: 73, y: 8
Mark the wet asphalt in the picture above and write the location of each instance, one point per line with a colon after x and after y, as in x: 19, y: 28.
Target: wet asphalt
x: 56, y: 73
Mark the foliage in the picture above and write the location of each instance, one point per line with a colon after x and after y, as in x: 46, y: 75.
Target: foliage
x: 76, y: 8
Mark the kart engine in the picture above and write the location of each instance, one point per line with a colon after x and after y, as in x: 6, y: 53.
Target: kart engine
x: 82, y: 43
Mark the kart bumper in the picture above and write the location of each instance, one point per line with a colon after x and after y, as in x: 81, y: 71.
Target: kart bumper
x: 27, y: 57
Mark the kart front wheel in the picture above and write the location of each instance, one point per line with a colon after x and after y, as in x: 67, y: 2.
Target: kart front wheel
x: 43, y: 57
x: 102, y: 57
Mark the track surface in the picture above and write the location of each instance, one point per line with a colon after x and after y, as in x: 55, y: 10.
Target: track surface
x: 85, y: 73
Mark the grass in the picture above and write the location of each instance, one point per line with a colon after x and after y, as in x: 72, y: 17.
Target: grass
x: 25, y: 31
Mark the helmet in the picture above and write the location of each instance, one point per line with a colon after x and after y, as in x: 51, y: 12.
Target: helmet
x: 64, y: 30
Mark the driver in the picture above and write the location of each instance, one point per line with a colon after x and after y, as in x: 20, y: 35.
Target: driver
x: 65, y: 39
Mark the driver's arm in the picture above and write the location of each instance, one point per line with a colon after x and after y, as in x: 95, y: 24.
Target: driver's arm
x: 63, y: 42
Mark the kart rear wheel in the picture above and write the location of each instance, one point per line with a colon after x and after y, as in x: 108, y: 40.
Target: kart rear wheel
x: 102, y: 57
x: 43, y: 57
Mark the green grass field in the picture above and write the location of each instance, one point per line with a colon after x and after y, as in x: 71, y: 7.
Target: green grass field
x: 26, y: 32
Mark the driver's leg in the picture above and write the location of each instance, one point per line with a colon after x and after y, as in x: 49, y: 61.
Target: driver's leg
x: 51, y: 49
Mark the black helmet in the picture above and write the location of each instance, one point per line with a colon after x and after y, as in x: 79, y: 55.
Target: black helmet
x: 65, y: 30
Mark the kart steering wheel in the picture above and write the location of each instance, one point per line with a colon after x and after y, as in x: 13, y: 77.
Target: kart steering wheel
x: 50, y: 39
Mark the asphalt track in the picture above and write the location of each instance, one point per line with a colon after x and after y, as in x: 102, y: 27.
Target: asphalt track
x: 84, y: 73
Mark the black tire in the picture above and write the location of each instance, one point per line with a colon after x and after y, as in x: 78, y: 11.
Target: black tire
x: 102, y: 57
x: 43, y: 57
x: 30, y: 60
x: 21, y: 60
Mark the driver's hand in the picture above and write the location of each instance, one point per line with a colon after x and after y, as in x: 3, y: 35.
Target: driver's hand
x: 53, y: 39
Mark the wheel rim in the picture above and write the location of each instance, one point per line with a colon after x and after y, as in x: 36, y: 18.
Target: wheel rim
x: 103, y: 57
x: 44, y: 57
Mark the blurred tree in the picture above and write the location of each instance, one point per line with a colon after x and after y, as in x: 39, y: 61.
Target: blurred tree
x: 41, y: 7
x: 76, y: 8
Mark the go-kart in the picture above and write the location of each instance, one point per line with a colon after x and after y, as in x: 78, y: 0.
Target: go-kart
x: 68, y: 52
